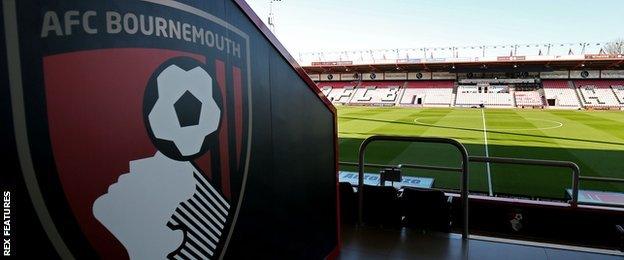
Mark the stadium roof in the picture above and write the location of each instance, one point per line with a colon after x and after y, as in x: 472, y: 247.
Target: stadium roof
x: 499, y: 64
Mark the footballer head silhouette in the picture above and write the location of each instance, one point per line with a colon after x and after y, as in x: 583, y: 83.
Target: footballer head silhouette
x: 165, y: 206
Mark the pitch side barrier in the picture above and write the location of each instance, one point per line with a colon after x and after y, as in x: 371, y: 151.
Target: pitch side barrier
x: 409, y: 166
x: 518, y: 219
x: 549, y: 222
x: 601, y: 179
x: 463, y: 169
x: 548, y: 163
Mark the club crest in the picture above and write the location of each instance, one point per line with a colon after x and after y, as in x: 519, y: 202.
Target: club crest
x: 145, y: 126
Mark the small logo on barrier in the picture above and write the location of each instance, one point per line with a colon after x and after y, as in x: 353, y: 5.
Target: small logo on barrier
x: 516, y: 222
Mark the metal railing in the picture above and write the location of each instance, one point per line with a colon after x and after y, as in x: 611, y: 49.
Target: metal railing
x: 372, y: 165
x: 463, y: 169
x: 601, y: 179
x: 576, y: 172
x: 429, y: 167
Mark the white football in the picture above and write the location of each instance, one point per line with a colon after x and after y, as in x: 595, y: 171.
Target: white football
x: 185, y: 111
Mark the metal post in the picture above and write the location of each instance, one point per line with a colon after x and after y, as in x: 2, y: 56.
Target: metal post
x: 576, y: 173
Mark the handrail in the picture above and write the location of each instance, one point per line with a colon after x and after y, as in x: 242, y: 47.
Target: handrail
x: 408, y: 166
x: 576, y: 172
x: 601, y: 179
x: 430, y: 167
x: 464, y: 169
x: 480, y: 159
x: 374, y: 165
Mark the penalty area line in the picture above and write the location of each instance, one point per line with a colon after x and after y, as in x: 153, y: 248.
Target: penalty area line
x: 487, y: 153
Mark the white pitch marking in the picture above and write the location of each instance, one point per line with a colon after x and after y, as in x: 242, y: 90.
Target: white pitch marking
x: 487, y: 153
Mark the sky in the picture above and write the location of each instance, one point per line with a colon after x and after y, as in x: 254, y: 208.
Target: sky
x: 335, y: 25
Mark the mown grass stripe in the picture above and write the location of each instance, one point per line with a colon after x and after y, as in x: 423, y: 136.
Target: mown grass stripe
x: 585, y: 138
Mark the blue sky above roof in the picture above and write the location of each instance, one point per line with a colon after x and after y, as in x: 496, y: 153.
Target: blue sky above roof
x: 324, y: 25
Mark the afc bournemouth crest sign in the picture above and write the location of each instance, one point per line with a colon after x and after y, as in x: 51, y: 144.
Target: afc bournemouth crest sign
x: 134, y: 122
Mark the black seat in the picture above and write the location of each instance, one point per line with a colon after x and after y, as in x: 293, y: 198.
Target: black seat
x: 381, y: 206
x: 348, y: 203
x: 426, y: 209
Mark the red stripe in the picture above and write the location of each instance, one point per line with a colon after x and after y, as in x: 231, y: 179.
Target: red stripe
x: 336, y: 252
x: 223, y: 133
x: 204, y: 162
x: 238, y: 112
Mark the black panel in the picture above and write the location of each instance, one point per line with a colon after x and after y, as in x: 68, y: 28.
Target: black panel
x: 290, y: 202
x: 303, y: 137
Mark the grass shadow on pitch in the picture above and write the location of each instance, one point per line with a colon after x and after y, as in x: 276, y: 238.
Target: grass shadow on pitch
x: 529, y: 181
x: 489, y: 131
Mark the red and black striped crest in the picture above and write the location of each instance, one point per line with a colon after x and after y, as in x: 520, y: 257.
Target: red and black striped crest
x: 140, y: 138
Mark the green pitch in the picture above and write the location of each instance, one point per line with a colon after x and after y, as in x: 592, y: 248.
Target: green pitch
x: 592, y: 139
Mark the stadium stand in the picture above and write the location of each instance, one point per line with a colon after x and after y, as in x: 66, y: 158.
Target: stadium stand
x: 427, y: 93
x: 496, y: 96
x: 501, y: 84
x: 559, y: 94
x: 592, y: 96
x: 338, y: 92
x: 618, y: 91
x: 377, y: 93
x: 528, y: 99
x: 326, y: 90
x: 597, y: 93
x: 599, y: 83
x: 439, y: 93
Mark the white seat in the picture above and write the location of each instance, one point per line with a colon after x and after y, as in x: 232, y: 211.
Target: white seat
x: 496, y: 96
x: 619, y: 93
x: 528, y: 98
x: 428, y: 96
x: 592, y: 96
x: 564, y: 97
x: 375, y: 95
x: 340, y: 95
